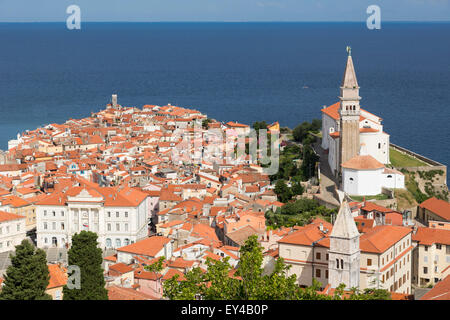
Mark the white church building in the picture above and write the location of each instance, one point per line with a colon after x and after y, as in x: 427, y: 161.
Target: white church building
x: 357, y: 146
x: 363, y: 175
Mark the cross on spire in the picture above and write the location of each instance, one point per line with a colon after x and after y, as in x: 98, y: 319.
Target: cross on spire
x: 349, y: 50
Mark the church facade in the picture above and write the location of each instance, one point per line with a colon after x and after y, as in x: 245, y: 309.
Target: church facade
x: 357, y: 146
x: 346, y: 127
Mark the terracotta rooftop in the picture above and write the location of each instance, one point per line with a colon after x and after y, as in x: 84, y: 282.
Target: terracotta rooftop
x: 438, y: 207
x: 364, y: 162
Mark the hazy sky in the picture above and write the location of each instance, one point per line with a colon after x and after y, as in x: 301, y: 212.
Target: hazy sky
x: 224, y: 10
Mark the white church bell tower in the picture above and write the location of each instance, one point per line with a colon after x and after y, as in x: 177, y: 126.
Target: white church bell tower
x: 344, y: 254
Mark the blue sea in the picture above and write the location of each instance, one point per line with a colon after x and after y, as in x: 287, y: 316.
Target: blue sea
x: 242, y: 72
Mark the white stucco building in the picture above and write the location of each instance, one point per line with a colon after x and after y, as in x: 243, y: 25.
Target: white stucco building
x: 118, y: 216
x: 12, y: 230
x: 363, y: 175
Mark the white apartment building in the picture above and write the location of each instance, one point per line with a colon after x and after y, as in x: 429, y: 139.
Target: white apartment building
x: 431, y: 256
x: 118, y: 216
x: 12, y: 230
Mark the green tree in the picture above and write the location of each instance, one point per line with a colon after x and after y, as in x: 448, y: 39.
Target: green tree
x: 297, y: 188
x: 27, y: 277
x: 308, y: 167
x: 282, y: 190
x: 85, y: 254
x: 316, y: 125
x: 301, y: 131
x: 205, y: 123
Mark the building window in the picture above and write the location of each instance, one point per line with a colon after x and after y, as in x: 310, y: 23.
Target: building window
x: 109, y: 214
x: 438, y: 246
x: 109, y: 226
x: 369, y: 262
x: 18, y: 227
x: 326, y: 274
x: 126, y: 241
x: 117, y: 214
x: 426, y: 248
x: 62, y: 225
x: 117, y: 227
x: 317, y: 273
x: 379, y: 145
x: 337, y: 263
x: 126, y: 214
x: 326, y: 256
x: 54, y: 213
x: 425, y: 270
x: 62, y: 213
x: 45, y: 225
x: 126, y: 226
x: 108, y: 242
x: 54, y: 225
x: 118, y: 243
x: 318, y: 255
x: 45, y: 213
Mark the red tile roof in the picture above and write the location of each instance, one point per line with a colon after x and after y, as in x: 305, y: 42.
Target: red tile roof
x: 429, y: 236
x: 6, y: 216
x: 438, y: 207
x: 381, y: 238
x: 120, y: 293
x: 365, y: 162
x: 58, y: 276
x: 441, y: 291
x: 147, y: 247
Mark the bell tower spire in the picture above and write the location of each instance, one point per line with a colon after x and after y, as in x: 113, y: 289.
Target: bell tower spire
x: 344, y: 254
x: 349, y: 112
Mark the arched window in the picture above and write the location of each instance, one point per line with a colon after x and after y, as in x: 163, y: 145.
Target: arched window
x: 379, y: 145
x: 108, y: 243
x: 337, y: 263
x: 126, y: 241
x: 54, y: 241
x: 118, y: 243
